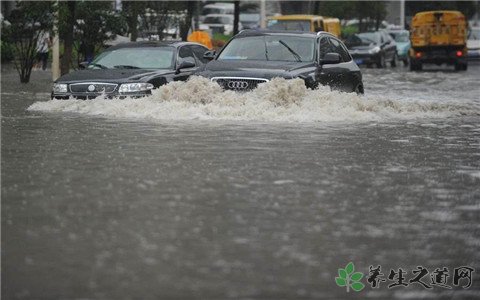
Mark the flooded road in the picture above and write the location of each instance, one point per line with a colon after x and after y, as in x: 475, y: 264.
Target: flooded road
x: 199, y: 194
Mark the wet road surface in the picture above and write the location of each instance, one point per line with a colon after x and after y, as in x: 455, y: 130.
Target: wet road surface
x: 178, y: 199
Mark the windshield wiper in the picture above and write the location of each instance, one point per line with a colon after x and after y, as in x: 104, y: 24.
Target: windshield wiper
x: 297, y: 57
x: 126, y: 67
x: 98, y: 65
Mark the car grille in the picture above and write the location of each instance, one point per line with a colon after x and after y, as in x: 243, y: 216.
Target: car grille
x: 93, y: 87
x: 239, y: 84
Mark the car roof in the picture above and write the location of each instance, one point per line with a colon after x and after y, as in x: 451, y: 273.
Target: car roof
x: 142, y: 44
x: 260, y: 32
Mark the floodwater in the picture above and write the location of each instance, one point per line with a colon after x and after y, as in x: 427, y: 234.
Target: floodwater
x: 196, y: 193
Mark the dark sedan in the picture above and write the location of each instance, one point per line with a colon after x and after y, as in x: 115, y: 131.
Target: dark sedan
x: 373, y: 48
x: 131, y: 69
x: 256, y: 56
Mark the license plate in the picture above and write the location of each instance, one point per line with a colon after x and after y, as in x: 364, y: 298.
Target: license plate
x: 359, y: 61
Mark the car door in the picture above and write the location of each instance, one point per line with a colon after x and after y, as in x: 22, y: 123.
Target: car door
x: 185, y: 53
x: 347, y: 78
x: 388, y: 45
x: 328, y: 74
x: 334, y: 75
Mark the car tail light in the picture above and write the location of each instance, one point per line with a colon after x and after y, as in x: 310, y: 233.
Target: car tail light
x: 418, y: 54
x: 459, y: 53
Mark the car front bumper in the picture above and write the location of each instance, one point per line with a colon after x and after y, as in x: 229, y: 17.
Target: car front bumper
x: 90, y: 96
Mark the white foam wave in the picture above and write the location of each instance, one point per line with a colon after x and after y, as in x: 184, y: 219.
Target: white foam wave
x: 277, y: 100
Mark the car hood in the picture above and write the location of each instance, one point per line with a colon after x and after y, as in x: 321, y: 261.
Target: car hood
x: 261, y: 69
x: 110, y: 75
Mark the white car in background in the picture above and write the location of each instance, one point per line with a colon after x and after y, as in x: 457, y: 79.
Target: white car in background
x: 217, y: 23
x: 473, y: 44
x: 217, y: 9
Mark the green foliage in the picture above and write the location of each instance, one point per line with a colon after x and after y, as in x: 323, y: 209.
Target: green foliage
x: 222, y: 37
x: 7, y: 50
x: 97, y: 23
x: 27, y: 21
x: 349, y: 278
x: 349, y: 30
x: 466, y: 7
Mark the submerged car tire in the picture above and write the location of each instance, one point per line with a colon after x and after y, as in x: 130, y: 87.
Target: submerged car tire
x: 359, y: 90
x: 461, y: 67
x: 415, y: 66
x: 381, y: 62
x: 393, y: 63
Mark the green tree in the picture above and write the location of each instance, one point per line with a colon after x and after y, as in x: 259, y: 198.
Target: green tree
x: 468, y: 8
x: 28, y: 21
x: 96, y: 22
x: 132, y: 10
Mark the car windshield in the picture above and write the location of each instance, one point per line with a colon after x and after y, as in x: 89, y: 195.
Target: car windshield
x: 272, y: 48
x: 135, y: 58
x: 400, y: 37
x: 366, y: 39
x: 289, y: 25
x: 217, y: 20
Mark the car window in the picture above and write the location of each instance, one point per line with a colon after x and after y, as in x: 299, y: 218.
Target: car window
x: 199, y: 51
x: 325, y: 47
x: 186, y: 51
x: 338, y: 47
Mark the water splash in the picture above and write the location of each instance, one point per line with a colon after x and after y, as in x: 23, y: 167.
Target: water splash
x: 277, y: 100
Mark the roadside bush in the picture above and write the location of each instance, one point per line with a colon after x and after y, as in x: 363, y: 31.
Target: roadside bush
x: 7, y: 51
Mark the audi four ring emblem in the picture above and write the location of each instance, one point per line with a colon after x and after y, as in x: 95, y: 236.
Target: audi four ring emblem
x: 238, y: 85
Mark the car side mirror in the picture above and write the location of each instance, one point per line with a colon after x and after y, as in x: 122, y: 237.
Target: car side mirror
x: 330, y: 58
x: 186, y: 63
x: 210, y: 54
x: 83, y: 65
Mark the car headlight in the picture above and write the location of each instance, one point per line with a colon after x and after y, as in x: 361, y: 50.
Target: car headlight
x: 135, y: 87
x: 60, y: 88
x: 374, y: 50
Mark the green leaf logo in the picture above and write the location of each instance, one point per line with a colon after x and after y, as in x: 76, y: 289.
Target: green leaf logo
x: 349, y: 278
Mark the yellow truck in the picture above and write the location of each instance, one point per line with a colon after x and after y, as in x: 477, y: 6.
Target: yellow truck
x: 305, y: 23
x: 438, y: 37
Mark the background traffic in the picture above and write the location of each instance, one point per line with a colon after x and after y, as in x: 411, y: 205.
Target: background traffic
x: 86, y: 28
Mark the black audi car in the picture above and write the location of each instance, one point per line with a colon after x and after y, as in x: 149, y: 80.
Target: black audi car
x: 373, y: 48
x: 256, y: 56
x: 131, y: 69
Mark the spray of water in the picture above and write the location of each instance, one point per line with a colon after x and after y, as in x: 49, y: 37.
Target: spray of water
x: 277, y: 100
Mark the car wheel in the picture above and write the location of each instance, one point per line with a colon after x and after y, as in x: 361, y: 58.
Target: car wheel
x: 381, y: 62
x: 415, y: 66
x: 393, y: 63
x: 460, y: 67
x: 359, y: 90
